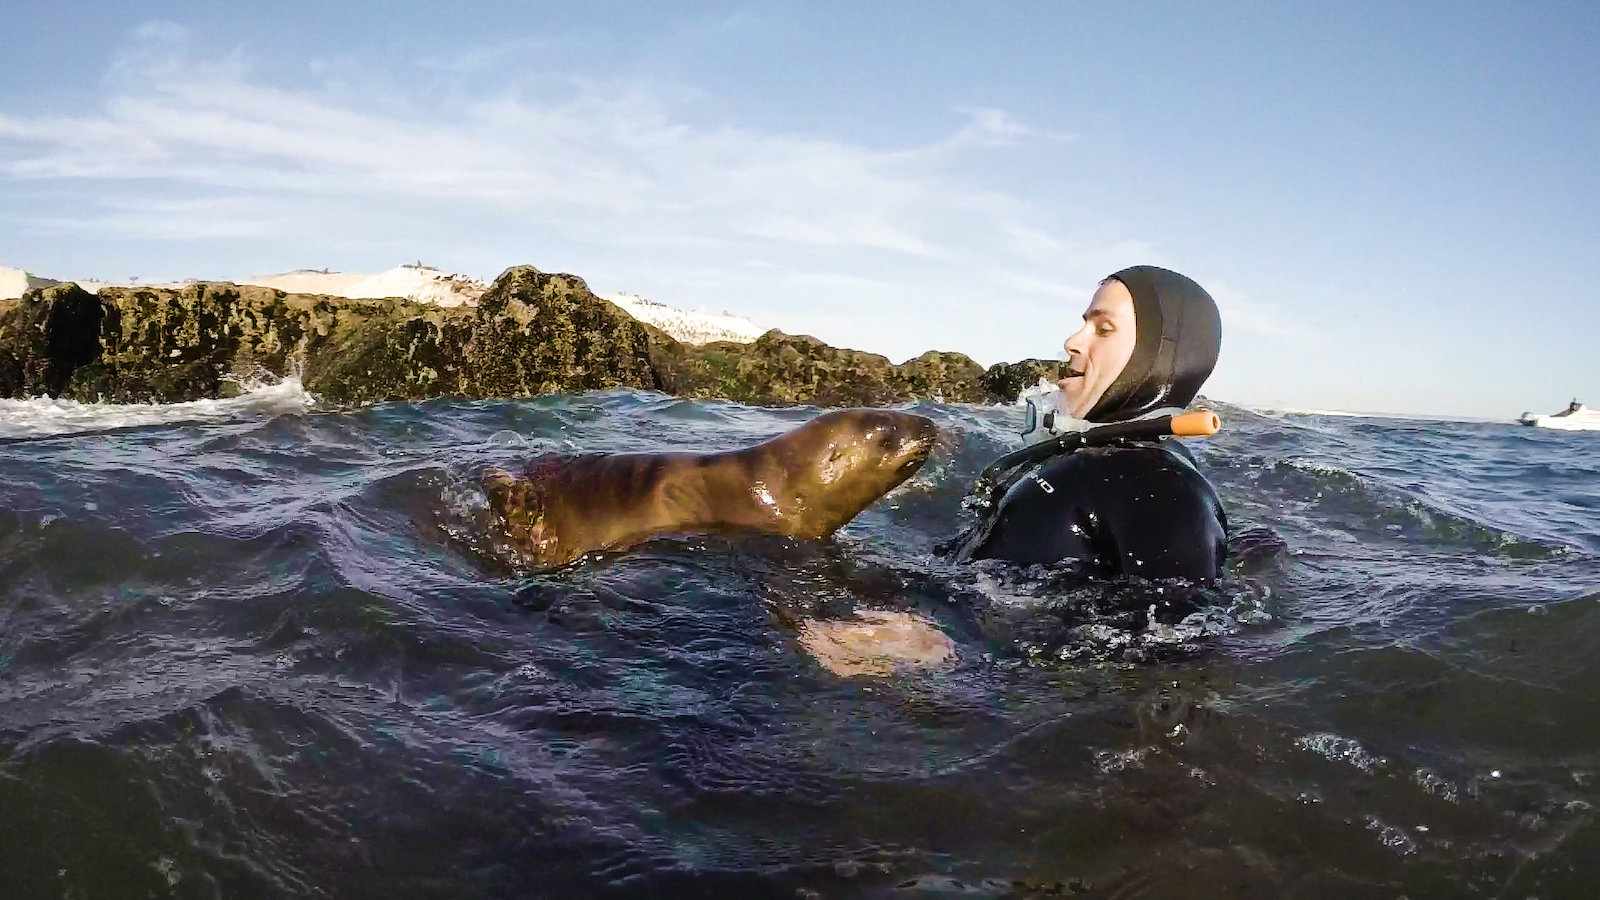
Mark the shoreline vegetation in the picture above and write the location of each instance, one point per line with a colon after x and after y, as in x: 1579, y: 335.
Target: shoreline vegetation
x: 530, y: 333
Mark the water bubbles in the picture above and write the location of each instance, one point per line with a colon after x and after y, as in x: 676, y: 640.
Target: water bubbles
x: 1436, y: 786
x: 1337, y: 748
x: 1113, y: 761
x: 169, y: 870
x: 1392, y: 837
x: 506, y: 439
x: 463, y: 498
x: 1252, y: 615
x: 1060, y: 614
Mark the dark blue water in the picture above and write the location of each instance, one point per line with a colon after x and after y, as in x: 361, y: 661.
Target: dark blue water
x: 278, y: 658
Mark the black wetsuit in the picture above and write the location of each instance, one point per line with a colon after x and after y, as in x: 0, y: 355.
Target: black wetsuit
x: 1138, y: 508
x: 1135, y: 509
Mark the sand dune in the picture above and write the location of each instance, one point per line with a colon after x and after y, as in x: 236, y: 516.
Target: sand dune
x: 413, y: 282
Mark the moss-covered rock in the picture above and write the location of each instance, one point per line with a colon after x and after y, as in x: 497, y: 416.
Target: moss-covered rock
x: 47, y: 336
x: 1004, y: 381
x: 531, y: 333
x: 780, y: 369
x: 535, y: 333
x: 388, y: 351
x: 170, y: 345
x: 944, y: 376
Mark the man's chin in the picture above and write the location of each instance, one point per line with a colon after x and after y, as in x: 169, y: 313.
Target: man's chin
x: 1077, y: 404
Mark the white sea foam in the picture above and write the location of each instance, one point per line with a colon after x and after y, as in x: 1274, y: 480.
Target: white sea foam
x: 48, y: 417
x: 1337, y: 748
x: 1392, y: 837
x: 1317, y: 467
x: 1273, y: 412
x: 692, y: 326
x: 1112, y: 761
x: 15, y: 282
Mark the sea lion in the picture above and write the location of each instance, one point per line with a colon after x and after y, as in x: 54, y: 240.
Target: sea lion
x: 805, y: 483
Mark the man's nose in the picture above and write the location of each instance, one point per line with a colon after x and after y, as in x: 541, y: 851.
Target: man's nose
x: 1075, y: 343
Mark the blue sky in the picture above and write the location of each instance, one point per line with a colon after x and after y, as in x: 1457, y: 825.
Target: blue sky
x: 1395, y: 207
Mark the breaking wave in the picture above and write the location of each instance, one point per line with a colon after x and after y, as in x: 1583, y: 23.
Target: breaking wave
x: 51, y: 417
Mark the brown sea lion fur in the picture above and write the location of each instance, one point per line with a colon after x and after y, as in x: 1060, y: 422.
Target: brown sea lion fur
x: 805, y: 483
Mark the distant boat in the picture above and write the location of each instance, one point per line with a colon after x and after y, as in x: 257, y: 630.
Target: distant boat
x: 1576, y: 417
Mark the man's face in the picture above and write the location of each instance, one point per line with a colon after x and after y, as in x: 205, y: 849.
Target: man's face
x: 1099, y: 350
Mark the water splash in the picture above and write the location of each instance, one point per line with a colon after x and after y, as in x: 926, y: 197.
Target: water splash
x: 52, y: 417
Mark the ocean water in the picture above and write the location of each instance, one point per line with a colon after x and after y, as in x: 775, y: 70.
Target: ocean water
x: 253, y: 649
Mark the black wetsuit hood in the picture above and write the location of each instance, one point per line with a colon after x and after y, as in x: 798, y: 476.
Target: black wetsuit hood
x: 1178, y: 336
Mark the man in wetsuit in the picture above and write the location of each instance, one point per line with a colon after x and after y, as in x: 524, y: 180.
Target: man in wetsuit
x: 1149, y: 340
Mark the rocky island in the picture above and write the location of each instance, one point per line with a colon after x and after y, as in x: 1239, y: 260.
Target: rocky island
x: 529, y: 333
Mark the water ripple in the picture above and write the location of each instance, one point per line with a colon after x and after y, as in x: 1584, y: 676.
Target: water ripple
x: 249, y: 654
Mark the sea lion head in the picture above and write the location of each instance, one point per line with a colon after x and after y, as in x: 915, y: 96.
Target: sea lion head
x: 853, y: 457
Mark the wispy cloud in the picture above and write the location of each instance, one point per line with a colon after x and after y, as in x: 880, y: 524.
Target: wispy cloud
x: 635, y: 171
x: 999, y: 128
x: 602, y: 156
x: 198, y: 219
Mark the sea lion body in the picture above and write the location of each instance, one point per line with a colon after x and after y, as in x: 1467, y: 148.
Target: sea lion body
x: 805, y: 483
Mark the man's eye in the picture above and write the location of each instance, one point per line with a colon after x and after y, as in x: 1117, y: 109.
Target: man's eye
x: 1105, y: 330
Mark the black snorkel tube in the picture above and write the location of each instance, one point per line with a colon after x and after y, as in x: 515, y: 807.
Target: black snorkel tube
x: 991, y: 483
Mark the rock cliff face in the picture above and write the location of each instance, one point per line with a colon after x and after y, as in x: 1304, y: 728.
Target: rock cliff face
x: 531, y: 333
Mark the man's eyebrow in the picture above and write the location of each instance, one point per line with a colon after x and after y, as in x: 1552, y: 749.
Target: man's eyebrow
x: 1096, y: 314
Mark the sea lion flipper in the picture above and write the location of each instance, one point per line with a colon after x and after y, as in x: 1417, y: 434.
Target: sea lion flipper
x: 518, y: 502
x: 499, y: 485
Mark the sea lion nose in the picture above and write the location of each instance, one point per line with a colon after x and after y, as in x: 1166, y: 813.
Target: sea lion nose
x: 915, y: 438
